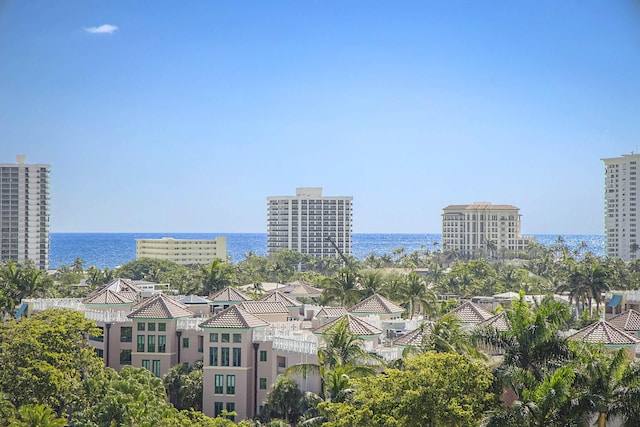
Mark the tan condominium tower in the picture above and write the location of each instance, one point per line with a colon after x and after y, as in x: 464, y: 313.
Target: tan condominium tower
x: 24, y: 212
x: 183, y: 251
x: 482, y: 229
x: 310, y: 223
x: 620, y: 212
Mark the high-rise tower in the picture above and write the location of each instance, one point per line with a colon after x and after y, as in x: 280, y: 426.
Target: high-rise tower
x: 308, y: 222
x: 24, y: 212
x: 620, y: 212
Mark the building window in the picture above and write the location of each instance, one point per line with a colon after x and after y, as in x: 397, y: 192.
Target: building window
x: 126, y: 333
x: 217, y: 408
x: 162, y: 343
x: 145, y: 364
x: 213, y: 356
x: 237, y: 338
x: 151, y: 343
x: 155, y: 368
x: 213, y: 337
x: 125, y: 357
x: 141, y: 326
x: 231, y: 384
x: 99, y: 352
x: 263, y: 355
x: 219, y: 384
x: 224, y: 359
x: 185, y: 342
x: 224, y: 338
x: 151, y: 327
x: 263, y: 383
x: 237, y: 357
x: 231, y: 407
x: 200, y: 344
x: 162, y: 327
x: 140, y: 348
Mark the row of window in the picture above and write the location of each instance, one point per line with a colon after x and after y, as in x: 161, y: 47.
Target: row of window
x: 227, y: 356
x: 151, y: 326
x: 219, y: 384
x: 214, y: 336
x: 151, y: 343
x: 155, y: 366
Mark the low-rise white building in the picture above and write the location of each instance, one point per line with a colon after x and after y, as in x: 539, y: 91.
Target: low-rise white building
x: 183, y: 251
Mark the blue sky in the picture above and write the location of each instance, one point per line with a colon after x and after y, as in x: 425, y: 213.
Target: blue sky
x: 189, y: 114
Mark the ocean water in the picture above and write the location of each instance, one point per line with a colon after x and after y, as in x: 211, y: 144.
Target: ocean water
x: 114, y: 249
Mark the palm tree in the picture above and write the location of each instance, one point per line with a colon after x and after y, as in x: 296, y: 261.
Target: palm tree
x: 448, y: 336
x: 371, y: 283
x: 532, y: 342
x: 609, y: 381
x: 216, y: 276
x: 78, y: 265
x: 344, y: 287
x: 416, y: 297
x: 38, y: 416
x: 492, y: 247
x: 284, y: 399
x: 542, y: 403
x: 341, y: 357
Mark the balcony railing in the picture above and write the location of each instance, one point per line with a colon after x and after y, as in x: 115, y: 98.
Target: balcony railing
x: 189, y: 323
x: 107, y: 316
x: 41, y: 304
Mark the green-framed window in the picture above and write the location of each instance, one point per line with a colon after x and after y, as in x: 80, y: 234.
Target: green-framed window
x: 231, y: 384
x: 218, y: 384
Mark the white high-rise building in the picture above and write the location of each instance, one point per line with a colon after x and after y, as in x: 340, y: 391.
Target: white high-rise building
x: 309, y: 222
x: 468, y: 229
x: 620, y: 216
x: 24, y: 212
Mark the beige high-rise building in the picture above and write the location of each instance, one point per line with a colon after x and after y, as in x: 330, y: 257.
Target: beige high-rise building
x: 24, y: 212
x: 468, y: 229
x: 308, y: 222
x: 620, y: 216
x: 182, y: 251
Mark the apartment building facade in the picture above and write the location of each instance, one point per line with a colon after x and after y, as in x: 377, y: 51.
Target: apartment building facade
x: 620, y: 205
x: 24, y: 212
x: 468, y: 229
x: 310, y: 223
x: 183, y: 251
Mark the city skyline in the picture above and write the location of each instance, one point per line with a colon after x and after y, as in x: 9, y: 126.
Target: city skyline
x: 184, y: 117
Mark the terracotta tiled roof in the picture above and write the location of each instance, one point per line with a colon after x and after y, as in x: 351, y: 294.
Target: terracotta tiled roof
x: 230, y: 294
x: 278, y: 296
x: 302, y: 289
x: 603, y: 332
x: 160, y: 306
x: 376, y: 304
x: 331, y: 312
x: 119, y: 286
x: 234, y: 317
x: 264, y: 307
x: 414, y: 338
x: 471, y: 313
x: 627, y: 321
x: 357, y: 326
x: 499, y: 322
x: 109, y: 297
x: 193, y: 299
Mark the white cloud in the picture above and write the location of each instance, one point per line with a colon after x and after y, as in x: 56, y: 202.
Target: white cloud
x: 102, y: 29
